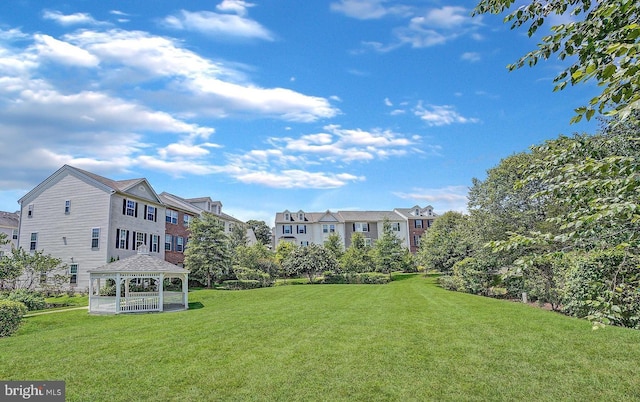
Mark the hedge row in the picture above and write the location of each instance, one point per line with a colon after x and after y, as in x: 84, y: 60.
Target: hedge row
x: 374, y: 278
x: 11, y: 313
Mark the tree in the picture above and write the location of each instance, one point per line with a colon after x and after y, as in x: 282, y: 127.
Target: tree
x: 388, y: 253
x: 261, y: 230
x: 32, y: 268
x: 311, y: 261
x: 208, y: 255
x: 446, y: 242
x: 237, y: 236
x: 357, y: 258
x: 604, y: 45
x: 283, y: 251
x: 333, y: 243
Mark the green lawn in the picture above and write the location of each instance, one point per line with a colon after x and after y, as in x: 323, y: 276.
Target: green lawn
x: 408, y: 340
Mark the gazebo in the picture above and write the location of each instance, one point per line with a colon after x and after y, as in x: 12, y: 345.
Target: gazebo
x: 135, y: 285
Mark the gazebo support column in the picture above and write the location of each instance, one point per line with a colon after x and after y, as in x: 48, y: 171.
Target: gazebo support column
x: 185, y: 291
x: 161, y: 292
x: 118, y: 307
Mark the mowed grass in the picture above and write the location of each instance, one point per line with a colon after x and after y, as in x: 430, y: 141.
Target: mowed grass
x: 408, y: 340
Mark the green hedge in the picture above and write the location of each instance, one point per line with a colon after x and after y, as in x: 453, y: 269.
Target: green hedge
x: 242, y: 284
x: 375, y: 278
x: 31, y: 300
x: 11, y: 313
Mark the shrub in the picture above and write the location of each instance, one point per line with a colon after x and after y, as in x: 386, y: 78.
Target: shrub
x: 450, y: 282
x: 11, y: 313
x: 248, y: 274
x: 370, y: 278
x: 331, y: 277
x: 32, y: 300
x: 241, y: 284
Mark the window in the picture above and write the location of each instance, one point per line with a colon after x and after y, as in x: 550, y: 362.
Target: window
x: 73, y: 273
x: 416, y: 212
x: 180, y: 244
x: 304, y: 243
x: 33, y: 245
x: 168, y: 242
x: 287, y: 217
x: 395, y: 226
x: 416, y: 240
x: 360, y: 227
x: 302, y: 228
x: 95, y: 238
x: 141, y: 239
x: 14, y: 234
x: 155, y: 241
x: 122, y: 238
x: 367, y: 241
x: 328, y: 228
x: 186, y: 220
x: 418, y: 223
x: 30, y: 211
x: 300, y: 216
x: 172, y: 217
x: 67, y: 207
x: 131, y: 208
x: 151, y: 213
x: 287, y: 229
x: 230, y: 226
x: 1, y: 253
x: 429, y: 224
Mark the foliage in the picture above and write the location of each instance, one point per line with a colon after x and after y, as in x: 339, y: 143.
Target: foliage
x: 446, y: 242
x: 32, y: 300
x: 310, y: 261
x: 603, y: 286
x: 261, y: 230
x: 11, y: 313
x: 283, y: 251
x: 237, y: 236
x: 603, y: 46
x: 472, y: 275
x: 544, y: 277
x: 242, y: 284
x: 250, y: 256
x: 208, y: 256
x: 374, y: 278
x: 29, y: 267
x: 243, y: 273
x: 333, y: 243
x: 357, y: 258
x: 388, y: 253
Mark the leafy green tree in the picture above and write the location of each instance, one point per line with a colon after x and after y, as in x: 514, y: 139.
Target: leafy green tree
x: 357, y: 258
x: 208, y: 255
x: 388, y: 252
x: 333, y: 243
x: 311, y: 260
x: 250, y: 256
x: 603, y: 46
x: 261, y: 230
x: 283, y: 251
x: 448, y: 241
x: 4, y: 239
x: 30, y: 267
x: 237, y: 236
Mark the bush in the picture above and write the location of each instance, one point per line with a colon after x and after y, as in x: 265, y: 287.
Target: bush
x: 248, y: 274
x: 11, y: 313
x: 450, y: 282
x: 370, y: 278
x: 241, y: 284
x: 32, y: 300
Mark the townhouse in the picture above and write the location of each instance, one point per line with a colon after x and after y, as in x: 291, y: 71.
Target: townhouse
x: 87, y: 220
x: 303, y: 228
x: 9, y: 225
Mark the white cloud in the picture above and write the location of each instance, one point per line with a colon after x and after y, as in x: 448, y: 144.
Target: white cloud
x: 234, y: 6
x: 388, y: 102
x: 360, y: 9
x: 215, y: 25
x: 63, y: 52
x: 441, y: 115
x: 71, y: 19
x: 470, y: 56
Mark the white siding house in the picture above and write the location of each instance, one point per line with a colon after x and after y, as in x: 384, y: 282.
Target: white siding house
x: 87, y: 220
x: 9, y: 225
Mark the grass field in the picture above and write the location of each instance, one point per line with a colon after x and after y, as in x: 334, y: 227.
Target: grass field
x: 408, y: 340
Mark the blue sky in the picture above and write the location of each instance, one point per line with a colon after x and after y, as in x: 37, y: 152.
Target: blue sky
x: 273, y: 105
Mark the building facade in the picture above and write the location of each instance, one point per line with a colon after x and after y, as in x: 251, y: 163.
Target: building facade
x: 9, y: 226
x: 304, y: 228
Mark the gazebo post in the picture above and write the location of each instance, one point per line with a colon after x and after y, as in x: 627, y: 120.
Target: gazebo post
x: 161, y: 290
x: 185, y: 291
x: 90, y: 290
x: 117, y: 292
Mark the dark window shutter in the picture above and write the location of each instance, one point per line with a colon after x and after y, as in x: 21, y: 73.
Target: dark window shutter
x: 124, y: 206
x: 145, y: 212
x: 354, y: 227
x: 127, y: 242
x: 134, y: 239
x: 117, y: 238
x: 145, y: 239
x: 155, y: 216
x: 136, y: 210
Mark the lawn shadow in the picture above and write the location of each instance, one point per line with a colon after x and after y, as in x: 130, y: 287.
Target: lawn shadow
x: 195, y: 305
x: 401, y: 276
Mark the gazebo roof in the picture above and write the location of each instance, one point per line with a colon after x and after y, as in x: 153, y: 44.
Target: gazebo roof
x: 141, y: 262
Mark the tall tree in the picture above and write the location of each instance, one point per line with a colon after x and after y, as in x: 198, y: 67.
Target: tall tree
x: 311, y: 261
x: 388, y: 253
x: 602, y: 45
x: 333, y: 243
x: 448, y: 241
x: 237, y: 236
x: 261, y: 230
x: 208, y: 255
x: 357, y: 257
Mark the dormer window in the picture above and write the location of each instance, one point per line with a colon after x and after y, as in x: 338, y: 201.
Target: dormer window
x: 287, y: 216
x: 300, y: 216
x: 416, y: 212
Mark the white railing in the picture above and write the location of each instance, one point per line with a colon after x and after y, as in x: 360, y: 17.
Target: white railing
x: 103, y: 304
x: 140, y: 301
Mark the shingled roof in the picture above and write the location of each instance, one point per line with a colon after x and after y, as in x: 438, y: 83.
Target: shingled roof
x: 141, y: 262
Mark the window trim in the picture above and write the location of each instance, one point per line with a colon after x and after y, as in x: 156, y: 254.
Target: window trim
x: 95, y: 238
x: 73, y: 274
